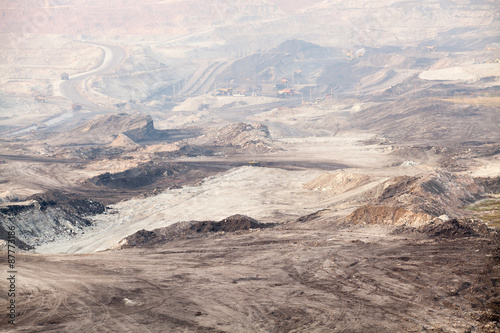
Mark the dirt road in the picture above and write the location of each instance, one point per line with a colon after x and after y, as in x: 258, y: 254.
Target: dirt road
x: 113, y: 57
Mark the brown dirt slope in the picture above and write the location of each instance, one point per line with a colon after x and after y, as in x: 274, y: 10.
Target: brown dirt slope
x: 429, y: 119
x: 418, y: 200
x: 436, y: 193
x: 490, y: 184
x: 336, y: 183
x: 124, y: 141
x: 451, y: 229
x: 387, y: 215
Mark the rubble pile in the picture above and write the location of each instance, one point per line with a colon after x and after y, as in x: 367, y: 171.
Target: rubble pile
x: 245, y: 138
x: 184, y: 230
x: 419, y: 200
x: 123, y: 141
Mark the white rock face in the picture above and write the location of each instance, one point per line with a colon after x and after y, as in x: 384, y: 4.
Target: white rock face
x: 444, y: 218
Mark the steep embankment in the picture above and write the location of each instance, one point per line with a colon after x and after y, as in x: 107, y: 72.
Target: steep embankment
x: 419, y: 200
x: 105, y: 129
x: 44, y: 218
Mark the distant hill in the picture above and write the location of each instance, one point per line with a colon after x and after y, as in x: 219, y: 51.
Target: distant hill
x: 301, y: 49
x: 278, y: 62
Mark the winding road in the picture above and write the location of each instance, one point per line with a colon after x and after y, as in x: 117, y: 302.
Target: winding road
x: 113, y: 57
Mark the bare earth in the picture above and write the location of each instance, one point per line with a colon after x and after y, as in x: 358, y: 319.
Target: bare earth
x: 272, y: 166
x: 301, y: 277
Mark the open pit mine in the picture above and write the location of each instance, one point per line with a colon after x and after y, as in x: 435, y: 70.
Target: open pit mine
x: 266, y: 166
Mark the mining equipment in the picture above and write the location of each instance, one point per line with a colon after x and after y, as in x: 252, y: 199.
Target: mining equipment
x: 224, y: 92
x: 285, y: 92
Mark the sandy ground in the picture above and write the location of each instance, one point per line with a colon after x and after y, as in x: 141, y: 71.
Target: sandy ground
x: 301, y: 278
x: 487, y: 168
x: 267, y: 194
x: 470, y: 73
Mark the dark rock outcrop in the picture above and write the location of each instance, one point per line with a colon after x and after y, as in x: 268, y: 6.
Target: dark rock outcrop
x: 192, y: 229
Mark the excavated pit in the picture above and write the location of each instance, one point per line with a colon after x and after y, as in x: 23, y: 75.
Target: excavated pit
x: 393, y: 242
